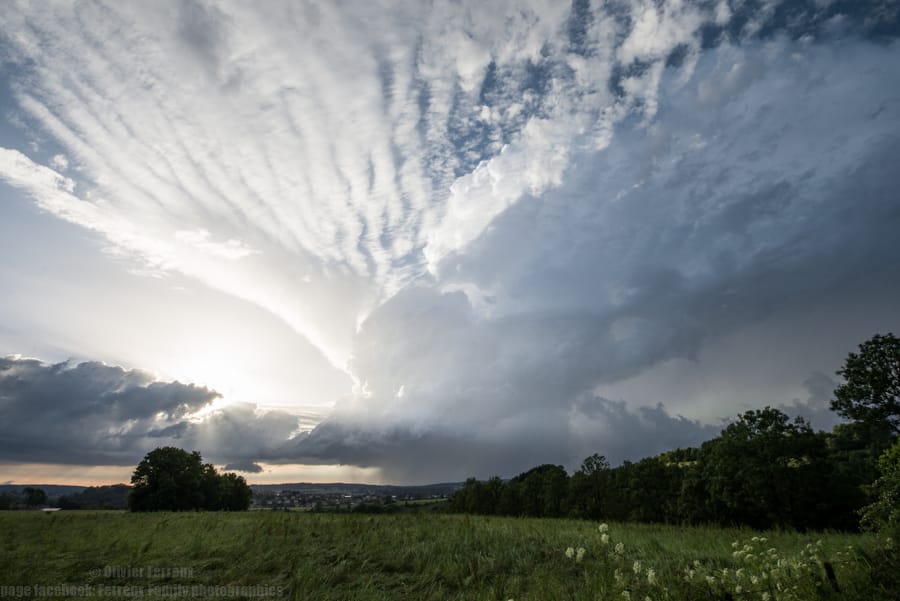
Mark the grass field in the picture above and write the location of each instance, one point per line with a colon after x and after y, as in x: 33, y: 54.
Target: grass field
x: 416, y: 556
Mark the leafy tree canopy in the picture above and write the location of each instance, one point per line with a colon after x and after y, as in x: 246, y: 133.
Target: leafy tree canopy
x: 884, y: 513
x: 171, y: 479
x: 871, y: 389
x: 34, y: 496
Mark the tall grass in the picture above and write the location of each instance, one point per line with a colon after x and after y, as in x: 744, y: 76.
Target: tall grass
x: 408, y: 556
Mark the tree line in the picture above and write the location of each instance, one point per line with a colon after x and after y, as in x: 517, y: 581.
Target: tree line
x: 29, y: 497
x: 764, y: 470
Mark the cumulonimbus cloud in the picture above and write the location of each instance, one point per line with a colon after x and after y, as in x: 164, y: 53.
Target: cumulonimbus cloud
x: 484, y: 212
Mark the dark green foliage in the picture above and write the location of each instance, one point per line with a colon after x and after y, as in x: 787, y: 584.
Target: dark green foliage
x: 586, y: 497
x: 870, y: 393
x: 7, y: 501
x: 768, y: 471
x: 884, y: 513
x: 234, y: 494
x: 97, y: 497
x: 171, y: 479
x: 539, y: 492
x: 34, y: 497
x: 765, y: 470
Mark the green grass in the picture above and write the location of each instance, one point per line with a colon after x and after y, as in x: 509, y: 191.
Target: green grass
x: 405, y: 556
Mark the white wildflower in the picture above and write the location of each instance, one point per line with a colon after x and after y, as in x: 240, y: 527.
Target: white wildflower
x: 603, y: 528
x: 604, y: 538
x: 570, y: 552
x: 620, y: 549
x: 637, y: 567
x: 651, y: 576
x: 579, y: 554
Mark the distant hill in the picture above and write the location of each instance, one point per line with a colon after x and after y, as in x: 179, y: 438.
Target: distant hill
x: 52, y: 490
x: 97, y: 497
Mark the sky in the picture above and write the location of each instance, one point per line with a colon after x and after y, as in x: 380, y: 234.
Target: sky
x: 413, y: 242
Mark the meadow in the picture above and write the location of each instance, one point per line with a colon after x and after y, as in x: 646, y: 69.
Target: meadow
x: 304, y: 556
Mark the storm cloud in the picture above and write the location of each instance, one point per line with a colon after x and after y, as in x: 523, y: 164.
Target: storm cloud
x: 741, y: 206
x: 89, y: 412
x: 524, y: 232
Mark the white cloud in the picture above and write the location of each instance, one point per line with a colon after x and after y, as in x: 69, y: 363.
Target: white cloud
x: 660, y: 28
x: 60, y: 162
x: 203, y: 119
x: 200, y: 238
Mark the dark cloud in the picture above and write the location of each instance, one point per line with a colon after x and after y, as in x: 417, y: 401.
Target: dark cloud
x: 241, y: 433
x: 504, y: 447
x: 88, y: 412
x: 93, y: 413
x: 248, y: 467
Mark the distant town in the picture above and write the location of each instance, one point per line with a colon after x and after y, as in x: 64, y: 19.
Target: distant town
x: 347, y: 497
x: 300, y: 496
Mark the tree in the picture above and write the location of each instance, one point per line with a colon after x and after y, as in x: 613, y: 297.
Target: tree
x: 765, y: 470
x: 594, y: 464
x: 587, y: 488
x: 7, y: 501
x: 871, y: 389
x: 541, y: 490
x: 884, y: 513
x: 171, y: 479
x: 34, y: 496
x: 167, y: 479
x: 234, y: 494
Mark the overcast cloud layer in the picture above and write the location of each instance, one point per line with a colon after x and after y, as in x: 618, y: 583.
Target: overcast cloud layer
x: 527, y: 232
